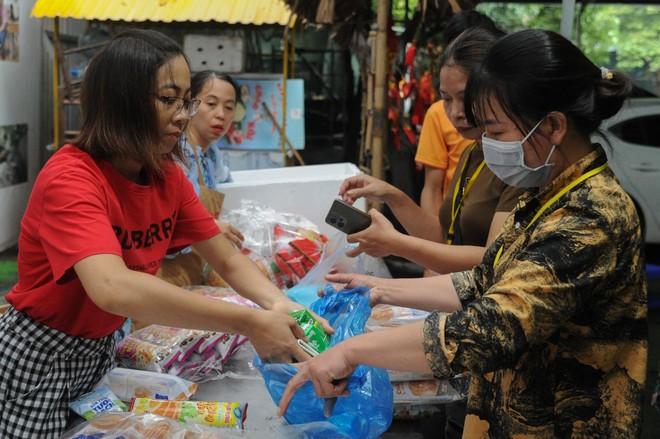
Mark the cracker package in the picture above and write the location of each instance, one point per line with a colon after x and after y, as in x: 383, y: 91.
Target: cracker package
x: 130, y: 383
x: 132, y: 426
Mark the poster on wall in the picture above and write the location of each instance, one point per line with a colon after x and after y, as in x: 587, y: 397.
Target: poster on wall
x: 258, y: 115
x: 13, y: 154
x: 9, y: 30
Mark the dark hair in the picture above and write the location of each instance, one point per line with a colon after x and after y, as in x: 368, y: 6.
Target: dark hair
x: 199, y: 79
x: 119, y: 115
x: 464, y: 20
x: 469, y: 48
x: 533, y: 72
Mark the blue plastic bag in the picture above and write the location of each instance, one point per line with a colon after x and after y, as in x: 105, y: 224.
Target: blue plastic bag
x: 367, y: 411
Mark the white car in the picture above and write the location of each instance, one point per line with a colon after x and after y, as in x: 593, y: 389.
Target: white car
x: 632, y: 141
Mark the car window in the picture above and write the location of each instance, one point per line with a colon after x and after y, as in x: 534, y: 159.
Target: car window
x: 643, y: 130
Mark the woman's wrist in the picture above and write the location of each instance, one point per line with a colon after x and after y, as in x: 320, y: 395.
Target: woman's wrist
x: 285, y: 305
x: 395, y: 197
x: 383, y: 292
x: 349, y: 352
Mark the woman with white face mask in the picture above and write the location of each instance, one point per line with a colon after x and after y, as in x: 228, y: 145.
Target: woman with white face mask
x: 507, y: 160
x: 552, y: 324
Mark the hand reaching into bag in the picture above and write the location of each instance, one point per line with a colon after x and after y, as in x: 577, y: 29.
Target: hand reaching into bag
x: 232, y: 233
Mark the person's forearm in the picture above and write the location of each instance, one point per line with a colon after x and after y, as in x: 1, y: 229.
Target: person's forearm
x: 147, y: 298
x: 430, y: 200
x: 428, y: 293
x: 245, y: 277
x: 397, y: 349
x: 414, y: 219
x: 441, y: 258
x: 241, y: 273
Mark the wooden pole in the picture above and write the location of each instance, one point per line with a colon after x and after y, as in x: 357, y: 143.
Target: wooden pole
x: 366, y: 152
x: 380, y: 91
x: 285, y: 139
x: 285, y: 76
x: 367, y: 107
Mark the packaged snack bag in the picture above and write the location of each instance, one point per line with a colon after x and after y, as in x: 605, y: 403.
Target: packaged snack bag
x: 132, y: 426
x: 170, y: 350
x: 218, y: 414
x: 101, y: 400
x: 317, y: 336
x: 130, y: 383
x: 430, y: 391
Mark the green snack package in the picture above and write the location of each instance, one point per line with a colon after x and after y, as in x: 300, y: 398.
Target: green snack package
x: 317, y: 336
x: 98, y: 401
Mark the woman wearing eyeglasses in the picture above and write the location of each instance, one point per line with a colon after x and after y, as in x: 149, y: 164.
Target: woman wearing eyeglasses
x: 103, y: 213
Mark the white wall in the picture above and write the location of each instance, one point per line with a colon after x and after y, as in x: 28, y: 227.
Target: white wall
x: 20, y: 88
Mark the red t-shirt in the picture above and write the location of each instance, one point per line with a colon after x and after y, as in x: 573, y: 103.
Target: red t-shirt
x: 79, y: 208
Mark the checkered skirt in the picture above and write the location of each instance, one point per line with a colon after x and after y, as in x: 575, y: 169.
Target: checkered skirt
x: 41, y: 371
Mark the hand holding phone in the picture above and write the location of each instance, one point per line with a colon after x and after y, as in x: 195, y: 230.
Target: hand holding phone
x: 347, y: 218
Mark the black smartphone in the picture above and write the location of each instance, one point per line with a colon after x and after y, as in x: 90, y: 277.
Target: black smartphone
x: 347, y: 218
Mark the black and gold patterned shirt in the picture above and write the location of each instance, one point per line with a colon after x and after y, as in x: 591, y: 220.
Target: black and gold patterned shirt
x: 555, y: 334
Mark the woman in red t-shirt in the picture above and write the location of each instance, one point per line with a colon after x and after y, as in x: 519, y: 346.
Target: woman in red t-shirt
x: 103, y: 213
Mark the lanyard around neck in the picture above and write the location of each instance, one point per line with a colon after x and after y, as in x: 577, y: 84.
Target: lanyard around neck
x: 456, y: 206
x: 552, y: 200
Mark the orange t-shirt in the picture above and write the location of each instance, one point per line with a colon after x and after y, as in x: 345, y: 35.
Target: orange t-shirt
x: 440, y: 146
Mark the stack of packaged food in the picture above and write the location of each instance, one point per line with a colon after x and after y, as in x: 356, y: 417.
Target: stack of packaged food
x: 416, y: 395
x: 195, y: 355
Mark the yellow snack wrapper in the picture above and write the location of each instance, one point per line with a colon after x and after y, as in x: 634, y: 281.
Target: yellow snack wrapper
x: 218, y: 414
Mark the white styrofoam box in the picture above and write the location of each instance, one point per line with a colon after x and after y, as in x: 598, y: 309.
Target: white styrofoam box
x: 215, y: 52
x: 305, y: 190
x: 240, y: 160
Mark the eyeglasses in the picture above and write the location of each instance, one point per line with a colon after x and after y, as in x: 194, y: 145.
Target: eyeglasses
x: 172, y: 102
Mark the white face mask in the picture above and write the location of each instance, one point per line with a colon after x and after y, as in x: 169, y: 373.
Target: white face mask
x: 507, y: 161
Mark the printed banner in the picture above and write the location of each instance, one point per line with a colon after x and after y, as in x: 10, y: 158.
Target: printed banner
x: 9, y: 30
x: 260, y: 103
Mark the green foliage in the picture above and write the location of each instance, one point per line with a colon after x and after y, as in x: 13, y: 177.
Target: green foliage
x: 513, y: 17
x: 624, y: 37
x: 8, y: 276
x: 399, y: 13
x: 637, y: 46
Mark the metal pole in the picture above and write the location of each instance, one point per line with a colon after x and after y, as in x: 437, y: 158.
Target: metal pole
x: 567, y: 18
